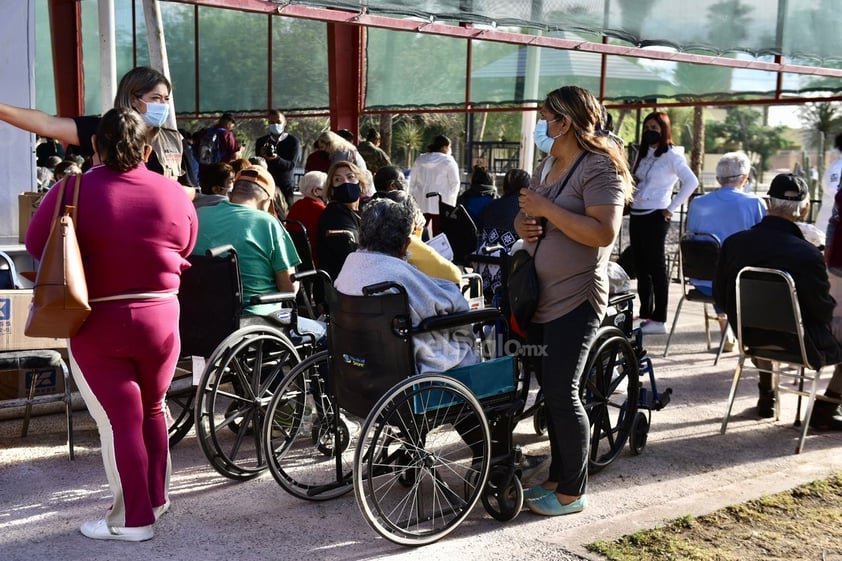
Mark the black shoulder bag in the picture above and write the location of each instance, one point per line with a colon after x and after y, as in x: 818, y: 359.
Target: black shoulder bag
x: 522, y: 281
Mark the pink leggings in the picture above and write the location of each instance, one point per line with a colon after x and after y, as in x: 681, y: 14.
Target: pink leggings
x: 123, y: 361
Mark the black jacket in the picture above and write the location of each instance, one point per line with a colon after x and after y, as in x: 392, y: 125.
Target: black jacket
x: 332, y: 242
x: 777, y: 243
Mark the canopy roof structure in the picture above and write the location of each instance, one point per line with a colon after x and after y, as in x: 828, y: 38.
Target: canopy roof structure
x: 468, y: 55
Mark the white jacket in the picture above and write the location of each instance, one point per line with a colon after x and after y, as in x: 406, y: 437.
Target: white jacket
x: 656, y: 178
x: 434, y: 172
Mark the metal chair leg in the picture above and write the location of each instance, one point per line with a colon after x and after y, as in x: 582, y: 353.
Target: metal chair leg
x: 674, y: 323
x: 811, y: 401
x: 736, y: 381
x: 27, y: 412
x: 721, y: 344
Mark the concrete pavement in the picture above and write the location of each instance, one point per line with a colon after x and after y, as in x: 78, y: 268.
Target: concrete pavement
x: 688, y: 467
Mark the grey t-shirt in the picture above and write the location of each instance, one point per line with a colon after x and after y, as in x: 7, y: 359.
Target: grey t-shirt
x: 570, y: 273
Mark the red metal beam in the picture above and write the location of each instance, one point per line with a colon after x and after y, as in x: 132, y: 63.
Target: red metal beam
x: 435, y: 28
x: 344, y: 55
x: 688, y: 103
x: 66, y: 31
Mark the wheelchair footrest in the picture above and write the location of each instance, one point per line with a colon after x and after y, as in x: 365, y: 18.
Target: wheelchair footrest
x: 654, y: 401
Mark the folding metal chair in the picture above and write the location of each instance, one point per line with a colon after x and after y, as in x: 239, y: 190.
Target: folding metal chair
x: 36, y: 361
x: 769, y: 327
x: 699, y: 256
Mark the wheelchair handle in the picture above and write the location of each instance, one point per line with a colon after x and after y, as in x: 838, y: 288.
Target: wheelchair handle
x: 301, y: 275
x: 383, y: 287
x: 219, y: 250
x: 272, y: 298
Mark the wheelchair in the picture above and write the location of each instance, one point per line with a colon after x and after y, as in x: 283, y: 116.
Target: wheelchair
x: 459, y: 228
x: 618, y: 404
x: 231, y: 363
x: 419, y: 451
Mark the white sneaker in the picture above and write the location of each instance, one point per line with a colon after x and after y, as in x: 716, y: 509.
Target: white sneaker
x: 100, y: 530
x: 161, y: 510
x: 653, y: 328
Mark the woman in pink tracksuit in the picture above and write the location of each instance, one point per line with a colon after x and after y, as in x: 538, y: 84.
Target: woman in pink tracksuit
x: 135, y: 228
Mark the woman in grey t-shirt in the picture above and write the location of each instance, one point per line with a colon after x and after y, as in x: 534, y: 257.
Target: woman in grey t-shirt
x: 576, y: 203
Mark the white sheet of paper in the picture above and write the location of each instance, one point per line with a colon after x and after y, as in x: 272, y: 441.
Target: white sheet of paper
x: 442, y: 245
x: 198, y: 368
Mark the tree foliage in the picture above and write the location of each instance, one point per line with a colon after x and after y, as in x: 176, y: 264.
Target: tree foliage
x: 742, y: 129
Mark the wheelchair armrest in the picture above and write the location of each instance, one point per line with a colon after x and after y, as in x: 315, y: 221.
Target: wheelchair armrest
x: 484, y: 255
x: 272, y: 298
x: 460, y: 318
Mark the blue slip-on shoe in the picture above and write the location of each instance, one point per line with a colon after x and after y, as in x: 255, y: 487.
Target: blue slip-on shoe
x: 536, y: 492
x: 548, y: 505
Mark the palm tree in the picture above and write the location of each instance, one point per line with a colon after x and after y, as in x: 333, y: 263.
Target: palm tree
x: 408, y: 135
x: 821, y: 120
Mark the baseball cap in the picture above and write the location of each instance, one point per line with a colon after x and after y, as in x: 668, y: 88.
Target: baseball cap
x: 788, y: 187
x: 259, y: 176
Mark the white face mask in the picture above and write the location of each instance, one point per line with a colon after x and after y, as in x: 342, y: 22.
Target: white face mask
x: 276, y: 129
x: 156, y: 113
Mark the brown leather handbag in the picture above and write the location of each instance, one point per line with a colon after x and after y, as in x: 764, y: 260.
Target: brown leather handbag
x: 60, y: 298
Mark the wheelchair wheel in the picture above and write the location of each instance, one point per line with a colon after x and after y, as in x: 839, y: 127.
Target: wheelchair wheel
x: 233, y: 393
x: 503, y: 494
x: 306, y: 442
x: 539, y: 420
x: 639, y: 433
x: 178, y: 405
x: 609, y: 389
x: 422, y: 460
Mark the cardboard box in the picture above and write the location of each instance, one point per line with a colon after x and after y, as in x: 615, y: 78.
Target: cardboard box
x: 27, y: 205
x: 14, y: 309
x: 14, y: 384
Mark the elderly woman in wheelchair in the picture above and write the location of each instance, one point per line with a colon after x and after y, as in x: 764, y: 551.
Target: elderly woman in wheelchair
x: 385, y: 236
x: 400, y: 408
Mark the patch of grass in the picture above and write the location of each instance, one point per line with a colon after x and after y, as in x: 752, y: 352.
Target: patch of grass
x: 803, y: 523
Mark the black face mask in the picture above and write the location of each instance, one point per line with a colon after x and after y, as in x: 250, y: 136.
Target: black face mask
x: 651, y: 138
x: 347, y: 193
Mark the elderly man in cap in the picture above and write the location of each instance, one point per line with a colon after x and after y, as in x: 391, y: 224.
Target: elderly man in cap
x: 724, y: 212
x: 777, y: 242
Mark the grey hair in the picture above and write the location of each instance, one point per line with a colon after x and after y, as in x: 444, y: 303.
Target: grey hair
x: 405, y: 198
x: 788, y: 208
x: 385, y: 226
x: 311, y: 181
x: 732, y: 165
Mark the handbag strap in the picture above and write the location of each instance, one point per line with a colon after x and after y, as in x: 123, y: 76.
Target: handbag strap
x: 74, y: 208
x: 560, y: 189
x: 60, y: 204
x: 59, y: 198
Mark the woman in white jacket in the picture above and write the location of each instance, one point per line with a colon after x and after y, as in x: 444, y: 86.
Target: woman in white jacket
x: 657, y: 168
x: 435, y: 171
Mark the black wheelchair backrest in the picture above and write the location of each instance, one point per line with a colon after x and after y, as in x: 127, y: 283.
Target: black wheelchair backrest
x: 300, y: 238
x: 211, y: 299
x: 370, y: 343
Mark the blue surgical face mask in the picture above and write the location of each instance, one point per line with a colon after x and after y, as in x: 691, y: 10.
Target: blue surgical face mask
x: 543, y: 141
x: 156, y: 113
x: 276, y: 129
